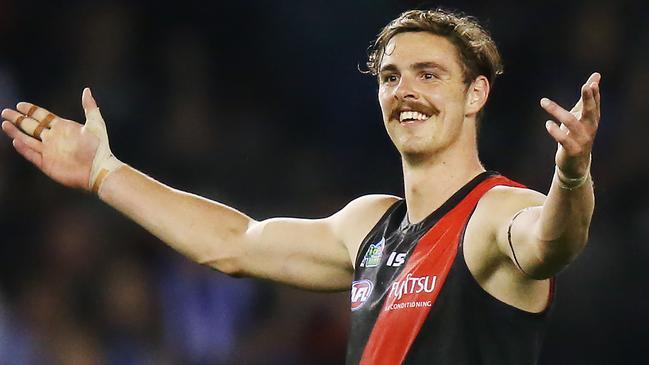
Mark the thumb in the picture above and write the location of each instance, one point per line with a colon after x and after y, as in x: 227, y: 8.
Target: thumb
x: 87, y: 101
x: 94, y: 121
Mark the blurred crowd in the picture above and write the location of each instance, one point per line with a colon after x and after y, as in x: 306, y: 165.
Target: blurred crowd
x: 260, y: 105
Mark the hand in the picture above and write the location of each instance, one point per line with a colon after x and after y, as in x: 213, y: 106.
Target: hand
x: 577, y: 129
x: 70, y: 153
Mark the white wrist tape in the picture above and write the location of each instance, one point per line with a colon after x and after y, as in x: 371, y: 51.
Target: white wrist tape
x: 104, y: 162
x: 569, y: 183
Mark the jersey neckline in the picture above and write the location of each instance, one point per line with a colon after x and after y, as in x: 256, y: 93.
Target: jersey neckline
x: 452, y: 201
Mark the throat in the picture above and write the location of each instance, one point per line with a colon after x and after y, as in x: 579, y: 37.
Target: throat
x: 427, y: 189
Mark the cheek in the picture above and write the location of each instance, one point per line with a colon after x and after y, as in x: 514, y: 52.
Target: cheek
x: 385, y: 103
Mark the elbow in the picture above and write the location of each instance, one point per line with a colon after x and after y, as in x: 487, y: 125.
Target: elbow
x: 545, y: 270
x: 226, y: 264
x: 225, y: 254
x: 227, y: 259
x: 554, y: 256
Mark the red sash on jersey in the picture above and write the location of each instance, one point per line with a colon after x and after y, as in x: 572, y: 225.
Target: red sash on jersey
x: 417, y: 287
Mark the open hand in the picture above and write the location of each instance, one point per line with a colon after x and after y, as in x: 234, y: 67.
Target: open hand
x: 63, y: 149
x: 576, y: 130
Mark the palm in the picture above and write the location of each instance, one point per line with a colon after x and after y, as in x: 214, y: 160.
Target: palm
x: 63, y: 149
x: 68, y: 154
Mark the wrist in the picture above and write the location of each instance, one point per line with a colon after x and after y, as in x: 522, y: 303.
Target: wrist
x: 572, y: 183
x: 101, y: 170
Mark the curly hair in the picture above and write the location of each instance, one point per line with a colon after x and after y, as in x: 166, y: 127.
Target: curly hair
x: 477, y: 51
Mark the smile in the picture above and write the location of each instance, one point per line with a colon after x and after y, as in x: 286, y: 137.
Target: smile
x: 412, y: 116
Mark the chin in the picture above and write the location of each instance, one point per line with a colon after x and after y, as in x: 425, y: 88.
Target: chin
x: 416, y: 153
x: 418, y: 149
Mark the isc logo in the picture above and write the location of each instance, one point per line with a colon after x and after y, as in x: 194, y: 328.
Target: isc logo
x: 361, y: 291
x: 396, y: 259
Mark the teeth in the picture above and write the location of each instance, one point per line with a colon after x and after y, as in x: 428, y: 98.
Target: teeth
x: 411, y: 115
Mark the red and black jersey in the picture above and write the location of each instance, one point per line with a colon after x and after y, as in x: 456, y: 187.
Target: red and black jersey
x: 414, y: 300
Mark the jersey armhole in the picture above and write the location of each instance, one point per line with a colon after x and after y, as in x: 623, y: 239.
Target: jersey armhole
x: 374, y: 229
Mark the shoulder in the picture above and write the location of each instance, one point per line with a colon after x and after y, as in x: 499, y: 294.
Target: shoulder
x: 369, y: 203
x: 364, y: 210
x: 504, y: 198
x: 512, y: 194
x: 498, y: 206
x: 353, y: 222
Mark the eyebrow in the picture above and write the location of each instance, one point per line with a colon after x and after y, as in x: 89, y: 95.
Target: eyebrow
x: 415, y: 66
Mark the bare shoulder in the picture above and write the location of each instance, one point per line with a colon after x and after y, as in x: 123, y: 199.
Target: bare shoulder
x: 504, y: 201
x: 368, y: 205
x: 363, y: 212
x: 356, y: 219
x: 489, y: 222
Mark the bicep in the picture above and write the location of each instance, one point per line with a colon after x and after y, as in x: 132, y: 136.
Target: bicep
x: 305, y: 253
x: 517, y: 239
x: 315, y: 254
x: 538, y: 255
x: 516, y: 232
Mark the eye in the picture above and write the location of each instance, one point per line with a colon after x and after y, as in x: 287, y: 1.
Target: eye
x: 428, y: 76
x: 390, y: 78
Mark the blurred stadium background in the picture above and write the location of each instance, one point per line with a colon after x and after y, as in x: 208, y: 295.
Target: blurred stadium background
x: 259, y: 104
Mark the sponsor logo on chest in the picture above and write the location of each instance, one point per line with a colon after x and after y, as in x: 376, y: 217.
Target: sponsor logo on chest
x: 407, y: 288
x: 396, y: 259
x: 361, y: 291
x: 373, y: 255
x: 413, y: 285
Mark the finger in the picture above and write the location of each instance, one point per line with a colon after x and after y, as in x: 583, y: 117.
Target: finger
x: 569, y: 144
x: 596, y: 93
x: 590, y: 111
x: 561, y: 115
x: 44, y: 117
x: 88, y: 101
x: 26, y: 124
x: 594, y: 81
x: 15, y: 133
x: 45, y: 135
x: 94, y: 121
x: 29, y: 154
x: 33, y: 111
x: 15, y: 117
x: 594, y: 77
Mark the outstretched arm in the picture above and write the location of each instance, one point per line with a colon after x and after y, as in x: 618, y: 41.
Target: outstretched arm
x: 313, y: 254
x: 542, y: 235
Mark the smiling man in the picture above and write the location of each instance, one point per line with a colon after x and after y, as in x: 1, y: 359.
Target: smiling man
x: 459, y: 272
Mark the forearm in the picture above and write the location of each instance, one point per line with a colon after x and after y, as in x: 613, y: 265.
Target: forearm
x: 565, y: 217
x: 562, y: 228
x: 203, y: 230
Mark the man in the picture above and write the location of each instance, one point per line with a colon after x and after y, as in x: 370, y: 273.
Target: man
x: 460, y: 272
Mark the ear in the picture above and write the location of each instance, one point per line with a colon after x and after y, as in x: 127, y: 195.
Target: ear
x: 477, y: 94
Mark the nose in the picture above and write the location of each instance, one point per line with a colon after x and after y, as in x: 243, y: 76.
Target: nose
x: 405, y: 90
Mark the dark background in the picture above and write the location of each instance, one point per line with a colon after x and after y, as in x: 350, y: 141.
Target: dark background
x: 259, y: 104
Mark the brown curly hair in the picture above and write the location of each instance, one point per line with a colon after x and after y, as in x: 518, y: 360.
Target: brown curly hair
x: 477, y: 51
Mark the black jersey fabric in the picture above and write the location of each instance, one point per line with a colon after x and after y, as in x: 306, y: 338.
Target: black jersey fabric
x: 411, y: 307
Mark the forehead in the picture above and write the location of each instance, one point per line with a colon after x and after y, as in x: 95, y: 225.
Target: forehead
x: 408, y: 48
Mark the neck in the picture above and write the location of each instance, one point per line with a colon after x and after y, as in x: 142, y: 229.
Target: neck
x: 430, y: 182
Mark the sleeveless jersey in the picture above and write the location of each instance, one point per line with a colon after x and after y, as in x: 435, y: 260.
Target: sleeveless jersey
x: 414, y: 300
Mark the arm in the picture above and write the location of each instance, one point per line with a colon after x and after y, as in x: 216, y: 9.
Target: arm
x: 313, y: 254
x: 543, y: 235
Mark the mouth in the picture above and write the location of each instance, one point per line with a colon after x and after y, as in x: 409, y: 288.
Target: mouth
x: 412, y: 117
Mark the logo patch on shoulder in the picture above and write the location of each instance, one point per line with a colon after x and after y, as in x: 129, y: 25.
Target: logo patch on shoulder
x: 373, y: 255
x: 361, y: 291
